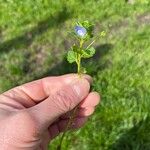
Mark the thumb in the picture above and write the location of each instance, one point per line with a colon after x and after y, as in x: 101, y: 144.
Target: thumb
x: 60, y: 101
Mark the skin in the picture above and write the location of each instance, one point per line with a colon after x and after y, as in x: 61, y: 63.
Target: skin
x: 31, y: 115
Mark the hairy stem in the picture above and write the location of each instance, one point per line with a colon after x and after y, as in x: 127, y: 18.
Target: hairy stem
x: 90, y: 44
x: 79, y: 57
x: 79, y: 64
x: 73, y: 115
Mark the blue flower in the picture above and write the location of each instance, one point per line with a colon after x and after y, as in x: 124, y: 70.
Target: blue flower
x: 81, y: 31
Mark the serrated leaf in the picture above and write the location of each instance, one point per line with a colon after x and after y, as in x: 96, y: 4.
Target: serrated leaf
x: 71, y: 56
x: 87, y: 53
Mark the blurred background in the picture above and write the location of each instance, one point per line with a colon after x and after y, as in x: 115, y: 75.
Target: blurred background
x: 34, y: 40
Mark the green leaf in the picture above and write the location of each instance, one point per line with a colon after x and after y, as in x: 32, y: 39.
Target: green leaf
x: 71, y: 56
x: 87, y: 53
x: 89, y: 27
x: 75, y: 48
x: 103, y: 34
x: 83, y: 70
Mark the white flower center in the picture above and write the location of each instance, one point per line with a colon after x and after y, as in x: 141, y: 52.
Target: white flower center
x: 80, y: 32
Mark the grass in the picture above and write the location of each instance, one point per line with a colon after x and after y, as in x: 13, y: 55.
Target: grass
x: 34, y: 39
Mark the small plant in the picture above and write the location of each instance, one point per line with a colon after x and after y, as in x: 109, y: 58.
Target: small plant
x: 83, y: 33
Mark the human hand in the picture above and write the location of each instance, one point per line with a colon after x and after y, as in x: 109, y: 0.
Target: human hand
x: 31, y: 115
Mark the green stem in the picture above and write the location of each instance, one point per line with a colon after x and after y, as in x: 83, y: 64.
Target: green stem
x: 90, y: 44
x: 79, y: 57
x: 73, y: 115
x: 79, y: 64
x: 70, y: 122
x: 93, y: 41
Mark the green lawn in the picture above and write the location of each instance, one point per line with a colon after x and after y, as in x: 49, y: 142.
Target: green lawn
x: 34, y: 39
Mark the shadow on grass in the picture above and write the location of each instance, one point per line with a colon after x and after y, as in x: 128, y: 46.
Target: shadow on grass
x: 91, y: 64
x: 27, y: 38
x: 102, y: 50
x: 137, y: 138
x: 98, y: 62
